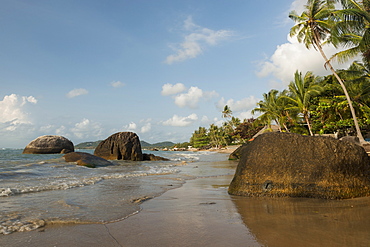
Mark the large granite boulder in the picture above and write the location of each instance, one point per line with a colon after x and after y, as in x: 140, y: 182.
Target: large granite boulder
x: 120, y: 146
x: 285, y: 164
x: 49, y: 144
x: 237, y: 152
x: 86, y: 159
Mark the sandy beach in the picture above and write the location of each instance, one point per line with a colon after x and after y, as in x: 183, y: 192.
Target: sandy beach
x: 202, y: 213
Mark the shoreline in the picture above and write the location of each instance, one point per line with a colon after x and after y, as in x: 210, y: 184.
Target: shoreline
x: 202, y: 213
x: 196, y: 214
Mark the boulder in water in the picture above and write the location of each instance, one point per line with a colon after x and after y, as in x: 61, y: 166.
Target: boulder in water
x: 86, y: 159
x: 120, y: 146
x: 286, y: 164
x: 49, y: 144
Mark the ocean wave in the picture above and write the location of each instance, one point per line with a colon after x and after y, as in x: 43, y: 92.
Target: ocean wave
x: 68, y: 183
x: 16, y: 224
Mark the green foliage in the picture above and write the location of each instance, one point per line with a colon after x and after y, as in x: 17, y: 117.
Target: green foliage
x: 87, y: 145
x: 199, y: 138
x: 231, y: 132
x: 167, y: 144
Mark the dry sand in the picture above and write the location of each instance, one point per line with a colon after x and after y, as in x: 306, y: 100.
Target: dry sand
x: 201, y: 213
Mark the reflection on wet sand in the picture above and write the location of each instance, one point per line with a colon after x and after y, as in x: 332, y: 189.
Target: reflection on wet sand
x: 306, y: 222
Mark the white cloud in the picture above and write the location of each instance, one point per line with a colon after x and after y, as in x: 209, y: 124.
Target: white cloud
x: 192, y: 97
x: 293, y: 56
x: 12, y: 110
x: 131, y: 126
x: 241, y: 105
x: 86, y: 129
x: 181, y: 121
x: 169, y: 89
x: 246, y: 115
x: 146, y: 128
x: 76, y: 92
x: 195, y: 41
x: 61, y: 130
x: 298, y: 6
x: 117, y: 84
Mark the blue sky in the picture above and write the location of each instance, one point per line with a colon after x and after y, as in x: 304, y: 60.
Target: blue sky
x: 86, y: 69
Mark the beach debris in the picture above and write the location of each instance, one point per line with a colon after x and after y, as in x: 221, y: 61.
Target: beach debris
x: 141, y: 199
x: 207, y: 203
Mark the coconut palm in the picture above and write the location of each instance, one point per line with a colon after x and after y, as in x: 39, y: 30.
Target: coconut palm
x: 357, y: 79
x: 313, y: 27
x: 302, y: 89
x: 273, y: 108
x: 351, y: 30
x: 226, y: 113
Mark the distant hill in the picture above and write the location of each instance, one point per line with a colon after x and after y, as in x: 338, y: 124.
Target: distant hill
x: 144, y: 144
x: 87, y: 145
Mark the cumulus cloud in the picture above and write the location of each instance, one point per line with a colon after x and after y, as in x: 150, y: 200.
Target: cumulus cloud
x: 146, y: 128
x: 293, y: 56
x: 86, y: 129
x: 169, y: 89
x: 192, y: 97
x: 196, y: 39
x: 117, y: 84
x: 181, y: 121
x: 240, y: 105
x: 131, y: 126
x: 12, y: 110
x: 76, y: 92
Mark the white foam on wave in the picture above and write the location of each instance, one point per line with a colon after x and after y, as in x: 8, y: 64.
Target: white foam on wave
x: 68, y: 183
x: 15, y: 224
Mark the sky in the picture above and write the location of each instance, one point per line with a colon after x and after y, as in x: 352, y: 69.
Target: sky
x: 86, y: 69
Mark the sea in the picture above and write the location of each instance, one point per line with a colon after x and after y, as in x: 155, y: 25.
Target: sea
x: 40, y: 189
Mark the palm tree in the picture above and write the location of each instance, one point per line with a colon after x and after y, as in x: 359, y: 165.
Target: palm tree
x: 313, y: 28
x: 302, y: 89
x: 358, y: 82
x: 351, y: 30
x: 226, y: 113
x: 273, y: 108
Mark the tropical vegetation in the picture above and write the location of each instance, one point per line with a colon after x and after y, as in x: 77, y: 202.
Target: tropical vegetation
x: 347, y: 27
x: 335, y: 104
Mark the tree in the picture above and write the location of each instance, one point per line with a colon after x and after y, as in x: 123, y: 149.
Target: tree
x: 199, y: 138
x: 246, y: 130
x: 302, y: 89
x: 217, y: 136
x: 352, y: 30
x: 313, y: 27
x: 273, y: 106
x: 226, y: 113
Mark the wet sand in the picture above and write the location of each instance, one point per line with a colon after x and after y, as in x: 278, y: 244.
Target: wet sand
x: 201, y: 213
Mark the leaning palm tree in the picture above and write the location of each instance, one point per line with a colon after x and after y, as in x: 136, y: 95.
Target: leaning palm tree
x: 302, y: 90
x: 313, y: 28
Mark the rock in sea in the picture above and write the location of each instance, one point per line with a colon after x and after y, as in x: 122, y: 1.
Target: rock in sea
x: 286, y: 164
x: 120, y: 146
x: 49, y: 144
x: 86, y: 159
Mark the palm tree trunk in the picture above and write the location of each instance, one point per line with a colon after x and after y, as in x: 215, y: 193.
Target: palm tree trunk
x: 327, y: 62
x: 308, y: 124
